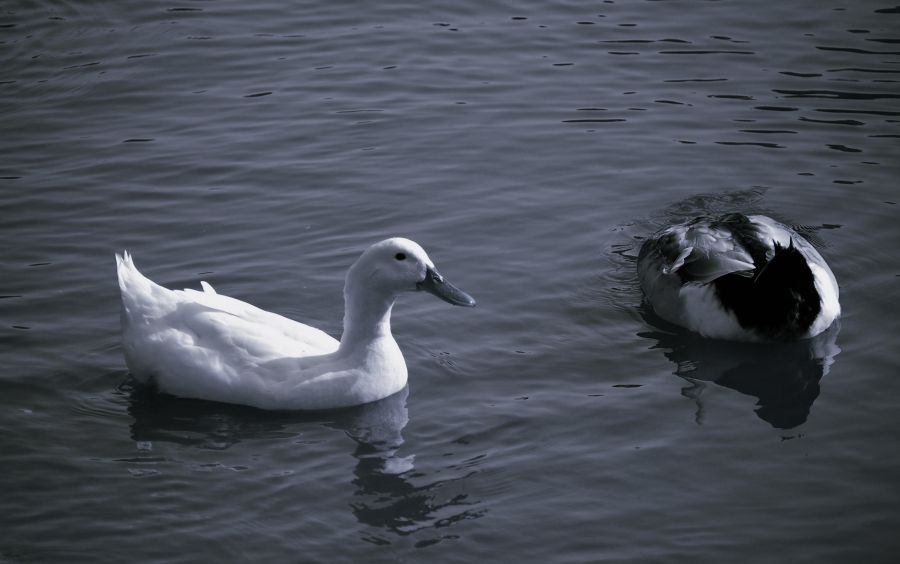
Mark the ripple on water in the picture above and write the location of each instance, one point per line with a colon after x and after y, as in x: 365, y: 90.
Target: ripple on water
x: 261, y: 146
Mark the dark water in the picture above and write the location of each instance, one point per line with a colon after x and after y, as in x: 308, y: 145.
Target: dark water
x: 528, y: 147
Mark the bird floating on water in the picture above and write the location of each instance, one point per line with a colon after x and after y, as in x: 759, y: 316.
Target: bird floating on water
x: 204, y: 345
x: 738, y: 277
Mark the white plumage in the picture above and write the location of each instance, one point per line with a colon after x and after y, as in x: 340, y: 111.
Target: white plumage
x: 200, y: 344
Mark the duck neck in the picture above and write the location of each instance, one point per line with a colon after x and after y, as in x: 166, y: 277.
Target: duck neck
x: 367, y: 318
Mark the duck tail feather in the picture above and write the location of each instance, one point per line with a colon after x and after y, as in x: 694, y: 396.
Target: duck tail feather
x: 787, y: 263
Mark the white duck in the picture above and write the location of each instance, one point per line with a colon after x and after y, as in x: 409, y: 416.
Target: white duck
x: 200, y: 344
x: 737, y: 277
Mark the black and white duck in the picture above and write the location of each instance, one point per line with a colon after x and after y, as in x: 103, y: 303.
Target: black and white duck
x: 738, y: 277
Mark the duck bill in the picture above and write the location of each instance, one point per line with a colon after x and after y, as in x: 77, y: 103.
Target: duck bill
x: 435, y: 284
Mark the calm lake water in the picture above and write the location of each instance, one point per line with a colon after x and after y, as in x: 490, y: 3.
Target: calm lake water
x: 529, y: 147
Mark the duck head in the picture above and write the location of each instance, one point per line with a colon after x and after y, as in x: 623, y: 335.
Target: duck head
x: 399, y: 265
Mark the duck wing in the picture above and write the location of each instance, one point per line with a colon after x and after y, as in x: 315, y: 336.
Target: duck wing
x: 246, y: 340
x: 212, y: 337
x: 238, y: 318
x: 701, y: 251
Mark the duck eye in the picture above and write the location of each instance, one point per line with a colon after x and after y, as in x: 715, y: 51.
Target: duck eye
x: 400, y: 256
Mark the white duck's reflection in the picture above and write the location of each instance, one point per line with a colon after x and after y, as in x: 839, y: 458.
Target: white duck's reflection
x: 784, y: 377
x: 389, y: 493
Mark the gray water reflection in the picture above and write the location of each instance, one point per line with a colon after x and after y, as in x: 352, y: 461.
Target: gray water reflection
x: 389, y: 493
x: 783, y: 377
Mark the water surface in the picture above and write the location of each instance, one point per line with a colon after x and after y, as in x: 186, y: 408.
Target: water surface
x: 529, y: 148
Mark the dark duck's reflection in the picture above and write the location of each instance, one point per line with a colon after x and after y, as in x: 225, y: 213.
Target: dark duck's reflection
x: 784, y: 377
x: 389, y: 493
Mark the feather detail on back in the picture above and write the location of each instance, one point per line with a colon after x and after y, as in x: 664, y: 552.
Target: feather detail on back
x: 701, y: 252
x: 203, y: 328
